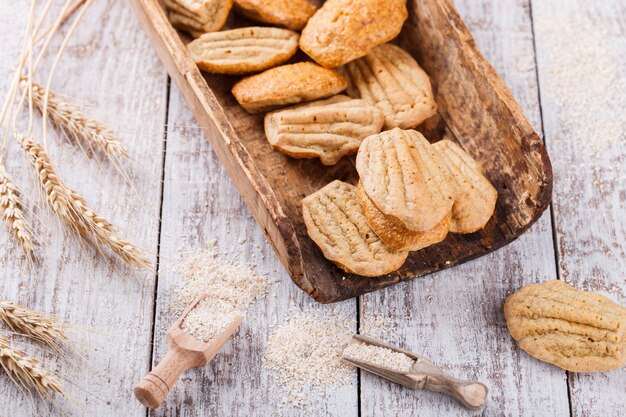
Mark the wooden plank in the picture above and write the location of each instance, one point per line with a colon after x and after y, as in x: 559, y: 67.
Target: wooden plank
x: 581, y: 62
x: 201, y: 204
x: 111, y: 69
x: 455, y: 317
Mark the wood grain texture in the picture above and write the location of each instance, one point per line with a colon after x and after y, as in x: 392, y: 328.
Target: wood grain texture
x: 583, y: 96
x: 483, y: 117
x: 110, y: 306
x: 455, y: 317
x: 201, y: 204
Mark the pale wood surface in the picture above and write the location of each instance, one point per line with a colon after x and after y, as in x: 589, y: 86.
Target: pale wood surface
x: 454, y: 317
x: 110, y: 68
x: 590, y: 157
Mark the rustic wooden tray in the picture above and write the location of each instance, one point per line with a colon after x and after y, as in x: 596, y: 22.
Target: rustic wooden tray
x: 475, y: 109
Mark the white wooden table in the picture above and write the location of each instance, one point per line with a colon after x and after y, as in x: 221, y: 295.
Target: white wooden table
x: 454, y: 317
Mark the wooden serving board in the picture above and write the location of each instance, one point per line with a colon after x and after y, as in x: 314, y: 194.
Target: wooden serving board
x: 476, y: 109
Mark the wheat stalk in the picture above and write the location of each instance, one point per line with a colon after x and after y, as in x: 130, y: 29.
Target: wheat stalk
x: 72, y: 208
x: 12, y: 213
x: 79, y: 126
x: 26, y: 371
x: 35, y: 325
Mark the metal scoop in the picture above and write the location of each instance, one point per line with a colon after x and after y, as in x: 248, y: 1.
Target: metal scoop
x: 184, y: 352
x: 424, y: 375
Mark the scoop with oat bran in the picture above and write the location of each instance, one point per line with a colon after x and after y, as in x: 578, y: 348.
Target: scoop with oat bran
x: 186, y: 351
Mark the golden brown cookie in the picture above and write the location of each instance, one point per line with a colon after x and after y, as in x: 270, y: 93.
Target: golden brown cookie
x: 292, y: 14
x: 243, y: 50
x: 344, y: 30
x: 576, y: 330
x: 328, y: 129
x: 393, y: 233
x: 474, y: 196
x: 198, y: 16
x: 404, y: 179
x: 288, y: 84
x: 391, y: 79
x: 335, y: 221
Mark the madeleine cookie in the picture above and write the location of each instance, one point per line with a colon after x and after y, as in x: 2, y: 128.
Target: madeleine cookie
x: 198, y: 16
x: 328, y: 129
x: 335, y: 221
x: 393, y: 233
x: 292, y: 14
x: 391, y: 79
x: 579, y: 331
x: 474, y: 196
x: 244, y: 50
x: 403, y: 177
x: 344, y: 30
x: 288, y: 84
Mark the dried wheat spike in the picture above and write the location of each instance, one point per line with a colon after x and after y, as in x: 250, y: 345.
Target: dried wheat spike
x: 72, y: 208
x: 26, y: 371
x: 79, y: 126
x: 35, y: 325
x: 13, y: 215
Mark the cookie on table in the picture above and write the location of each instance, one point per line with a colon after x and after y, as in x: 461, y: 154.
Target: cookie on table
x: 404, y: 178
x: 292, y: 14
x: 344, y: 30
x: 335, y: 221
x: 244, y: 50
x: 288, y: 84
x: 474, y: 196
x: 579, y: 331
x: 328, y: 129
x: 393, y: 232
x: 392, y: 80
x: 198, y: 16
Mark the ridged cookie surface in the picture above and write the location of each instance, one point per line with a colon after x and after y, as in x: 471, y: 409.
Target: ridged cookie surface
x: 198, y: 16
x: 403, y: 177
x: 328, y: 129
x: 391, y: 79
x: 343, y: 30
x: 244, y: 50
x: 288, y: 84
x: 393, y: 233
x: 335, y: 221
x: 474, y: 196
x: 292, y: 14
x: 576, y: 330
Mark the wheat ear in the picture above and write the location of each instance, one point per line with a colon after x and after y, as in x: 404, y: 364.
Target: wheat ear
x: 73, y: 210
x: 33, y: 324
x: 13, y: 215
x: 79, y: 126
x: 26, y: 371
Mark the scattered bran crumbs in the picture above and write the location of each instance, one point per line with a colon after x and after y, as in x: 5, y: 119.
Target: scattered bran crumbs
x: 231, y: 288
x: 210, y: 318
x: 304, y: 355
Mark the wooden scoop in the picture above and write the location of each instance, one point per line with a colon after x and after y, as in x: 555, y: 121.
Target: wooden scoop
x: 184, y: 352
x: 424, y: 375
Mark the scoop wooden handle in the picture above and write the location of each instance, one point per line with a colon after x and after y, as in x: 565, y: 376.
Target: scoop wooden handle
x: 155, y: 386
x: 471, y: 394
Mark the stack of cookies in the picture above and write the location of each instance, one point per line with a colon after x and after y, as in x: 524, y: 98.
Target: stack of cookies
x: 361, y: 94
x: 411, y: 194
